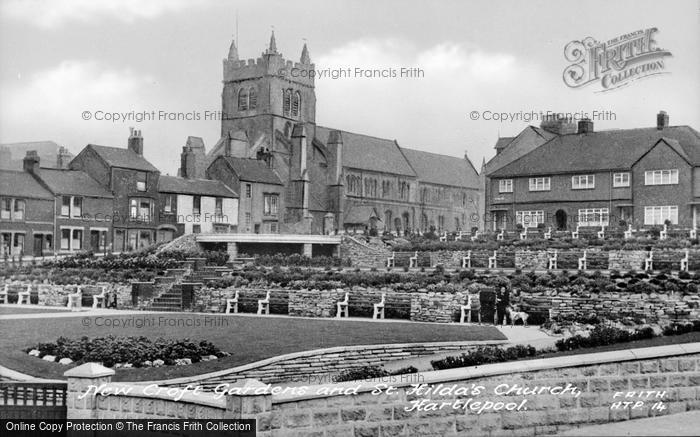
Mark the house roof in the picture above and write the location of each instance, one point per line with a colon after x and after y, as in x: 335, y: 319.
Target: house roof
x: 124, y: 158
x: 442, y: 169
x: 203, y: 187
x: 527, y: 140
x: 503, y: 142
x: 73, y: 182
x: 252, y: 170
x: 603, y: 150
x: 22, y: 184
x: 364, y: 152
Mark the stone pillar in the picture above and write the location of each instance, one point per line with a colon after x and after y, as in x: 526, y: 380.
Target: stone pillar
x: 232, y: 249
x: 80, y: 380
x: 306, y: 251
x: 255, y: 404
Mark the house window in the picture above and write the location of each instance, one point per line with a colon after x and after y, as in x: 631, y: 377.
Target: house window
x: 196, y: 229
x: 504, y: 186
x: 621, y: 179
x: 661, y: 177
x: 6, y: 243
x: 77, y: 207
x: 583, y: 182
x: 5, y: 208
x: 540, y: 184
x: 20, y: 206
x: 248, y: 191
x: 219, y: 207
x: 594, y: 217
x: 243, y: 100
x: 141, y: 210
x: 273, y: 228
x: 19, y: 244
x: 657, y: 215
x: 168, y: 207
x: 270, y: 202
x: 65, y: 206
x: 71, y: 239
x: 141, y: 181
x: 196, y: 205
x: 529, y: 219
x: 247, y: 219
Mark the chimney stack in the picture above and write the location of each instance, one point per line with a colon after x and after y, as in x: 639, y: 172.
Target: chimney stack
x: 585, y: 126
x: 187, y: 163
x: 135, y: 142
x: 661, y: 120
x: 63, y: 158
x: 31, y: 162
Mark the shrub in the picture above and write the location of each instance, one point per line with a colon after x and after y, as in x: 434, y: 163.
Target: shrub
x: 371, y: 372
x: 111, y: 350
x: 603, y: 335
x: 485, y: 355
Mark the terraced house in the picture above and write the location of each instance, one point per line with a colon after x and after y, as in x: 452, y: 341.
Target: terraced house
x: 133, y: 182
x: 572, y: 175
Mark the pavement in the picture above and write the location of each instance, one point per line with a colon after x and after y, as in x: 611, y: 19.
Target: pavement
x: 682, y: 424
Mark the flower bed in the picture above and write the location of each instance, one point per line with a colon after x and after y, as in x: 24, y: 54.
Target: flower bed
x: 127, y: 351
x: 300, y: 260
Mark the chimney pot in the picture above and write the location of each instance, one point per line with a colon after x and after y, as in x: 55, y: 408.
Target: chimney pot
x: 135, y: 143
x: 661, y: 120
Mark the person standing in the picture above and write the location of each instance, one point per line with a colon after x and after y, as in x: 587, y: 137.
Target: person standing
x: 502, y: 302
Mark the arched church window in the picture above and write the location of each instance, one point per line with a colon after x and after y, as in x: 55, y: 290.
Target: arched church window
x: 252, y: 98
x: 296, y: 104
x: 287, y: 102
x: 243, y: 100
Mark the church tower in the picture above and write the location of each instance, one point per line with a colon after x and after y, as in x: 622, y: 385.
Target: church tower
x: 267, y: 94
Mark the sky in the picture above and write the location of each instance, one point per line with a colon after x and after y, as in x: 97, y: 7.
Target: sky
x: 60, y: 58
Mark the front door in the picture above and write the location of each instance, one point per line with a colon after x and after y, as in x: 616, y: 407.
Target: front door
x: 560, y: 217
x: 95, y: 241
x: 38, y: 245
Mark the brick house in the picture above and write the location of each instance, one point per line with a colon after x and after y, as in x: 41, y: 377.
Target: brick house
x: 260, y: 203
x: 189, y: 204
x: 26, y: 216
x: 642, y: 177
x: 133, y: 181
x: 82, y: 207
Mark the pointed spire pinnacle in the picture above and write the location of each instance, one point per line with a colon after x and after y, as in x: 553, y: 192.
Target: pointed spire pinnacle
x: 273, y: 44
x: 233, y: 51
x: 305, y: 58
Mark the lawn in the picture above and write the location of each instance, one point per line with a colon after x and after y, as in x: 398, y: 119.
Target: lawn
x: 8, y: 310
x: 248, y: 339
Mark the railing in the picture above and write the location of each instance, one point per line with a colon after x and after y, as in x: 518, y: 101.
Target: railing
x: 33, y: 400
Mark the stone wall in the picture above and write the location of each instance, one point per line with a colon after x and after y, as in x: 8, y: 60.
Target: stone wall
x: 57, y: 295
x: 623, y: 260
x: 671, y: 373
x: 320, y: 366
x: 438, y: 307
x: 315, y: 303
x: 362, y: 254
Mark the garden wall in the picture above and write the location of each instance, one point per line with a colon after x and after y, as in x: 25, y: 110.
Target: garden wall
x: 623, y: 260
x: 57, y: 295
x: 672, y: 372
x: 319, y: 366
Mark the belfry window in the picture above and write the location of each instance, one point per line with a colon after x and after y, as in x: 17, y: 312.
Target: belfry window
x: 296, y: 104
x: 252, y: 98
x: 243, y: 100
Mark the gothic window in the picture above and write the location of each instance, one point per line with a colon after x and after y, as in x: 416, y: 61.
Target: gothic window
x: 252, y: 98
x: 243, y: 100
x: 296, y: 104
x: 287, y: 102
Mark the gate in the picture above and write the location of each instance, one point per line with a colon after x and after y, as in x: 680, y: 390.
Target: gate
x: 33, y: 400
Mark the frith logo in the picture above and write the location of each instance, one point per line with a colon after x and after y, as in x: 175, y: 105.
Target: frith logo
x: 615, y: 63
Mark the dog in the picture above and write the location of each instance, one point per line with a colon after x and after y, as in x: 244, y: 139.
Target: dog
x: 514, y: 315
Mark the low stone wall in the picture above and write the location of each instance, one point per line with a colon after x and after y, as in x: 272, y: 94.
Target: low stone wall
x: 671, y: 373
x: 362, y: 254
x: 438, y: 307
x: 315, y: 303
x: 320, y: 366
x: 622, y: 260
x: 653, y: 307
x: 57, y: 295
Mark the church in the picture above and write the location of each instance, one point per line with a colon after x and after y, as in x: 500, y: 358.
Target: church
x: 294, y: 176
